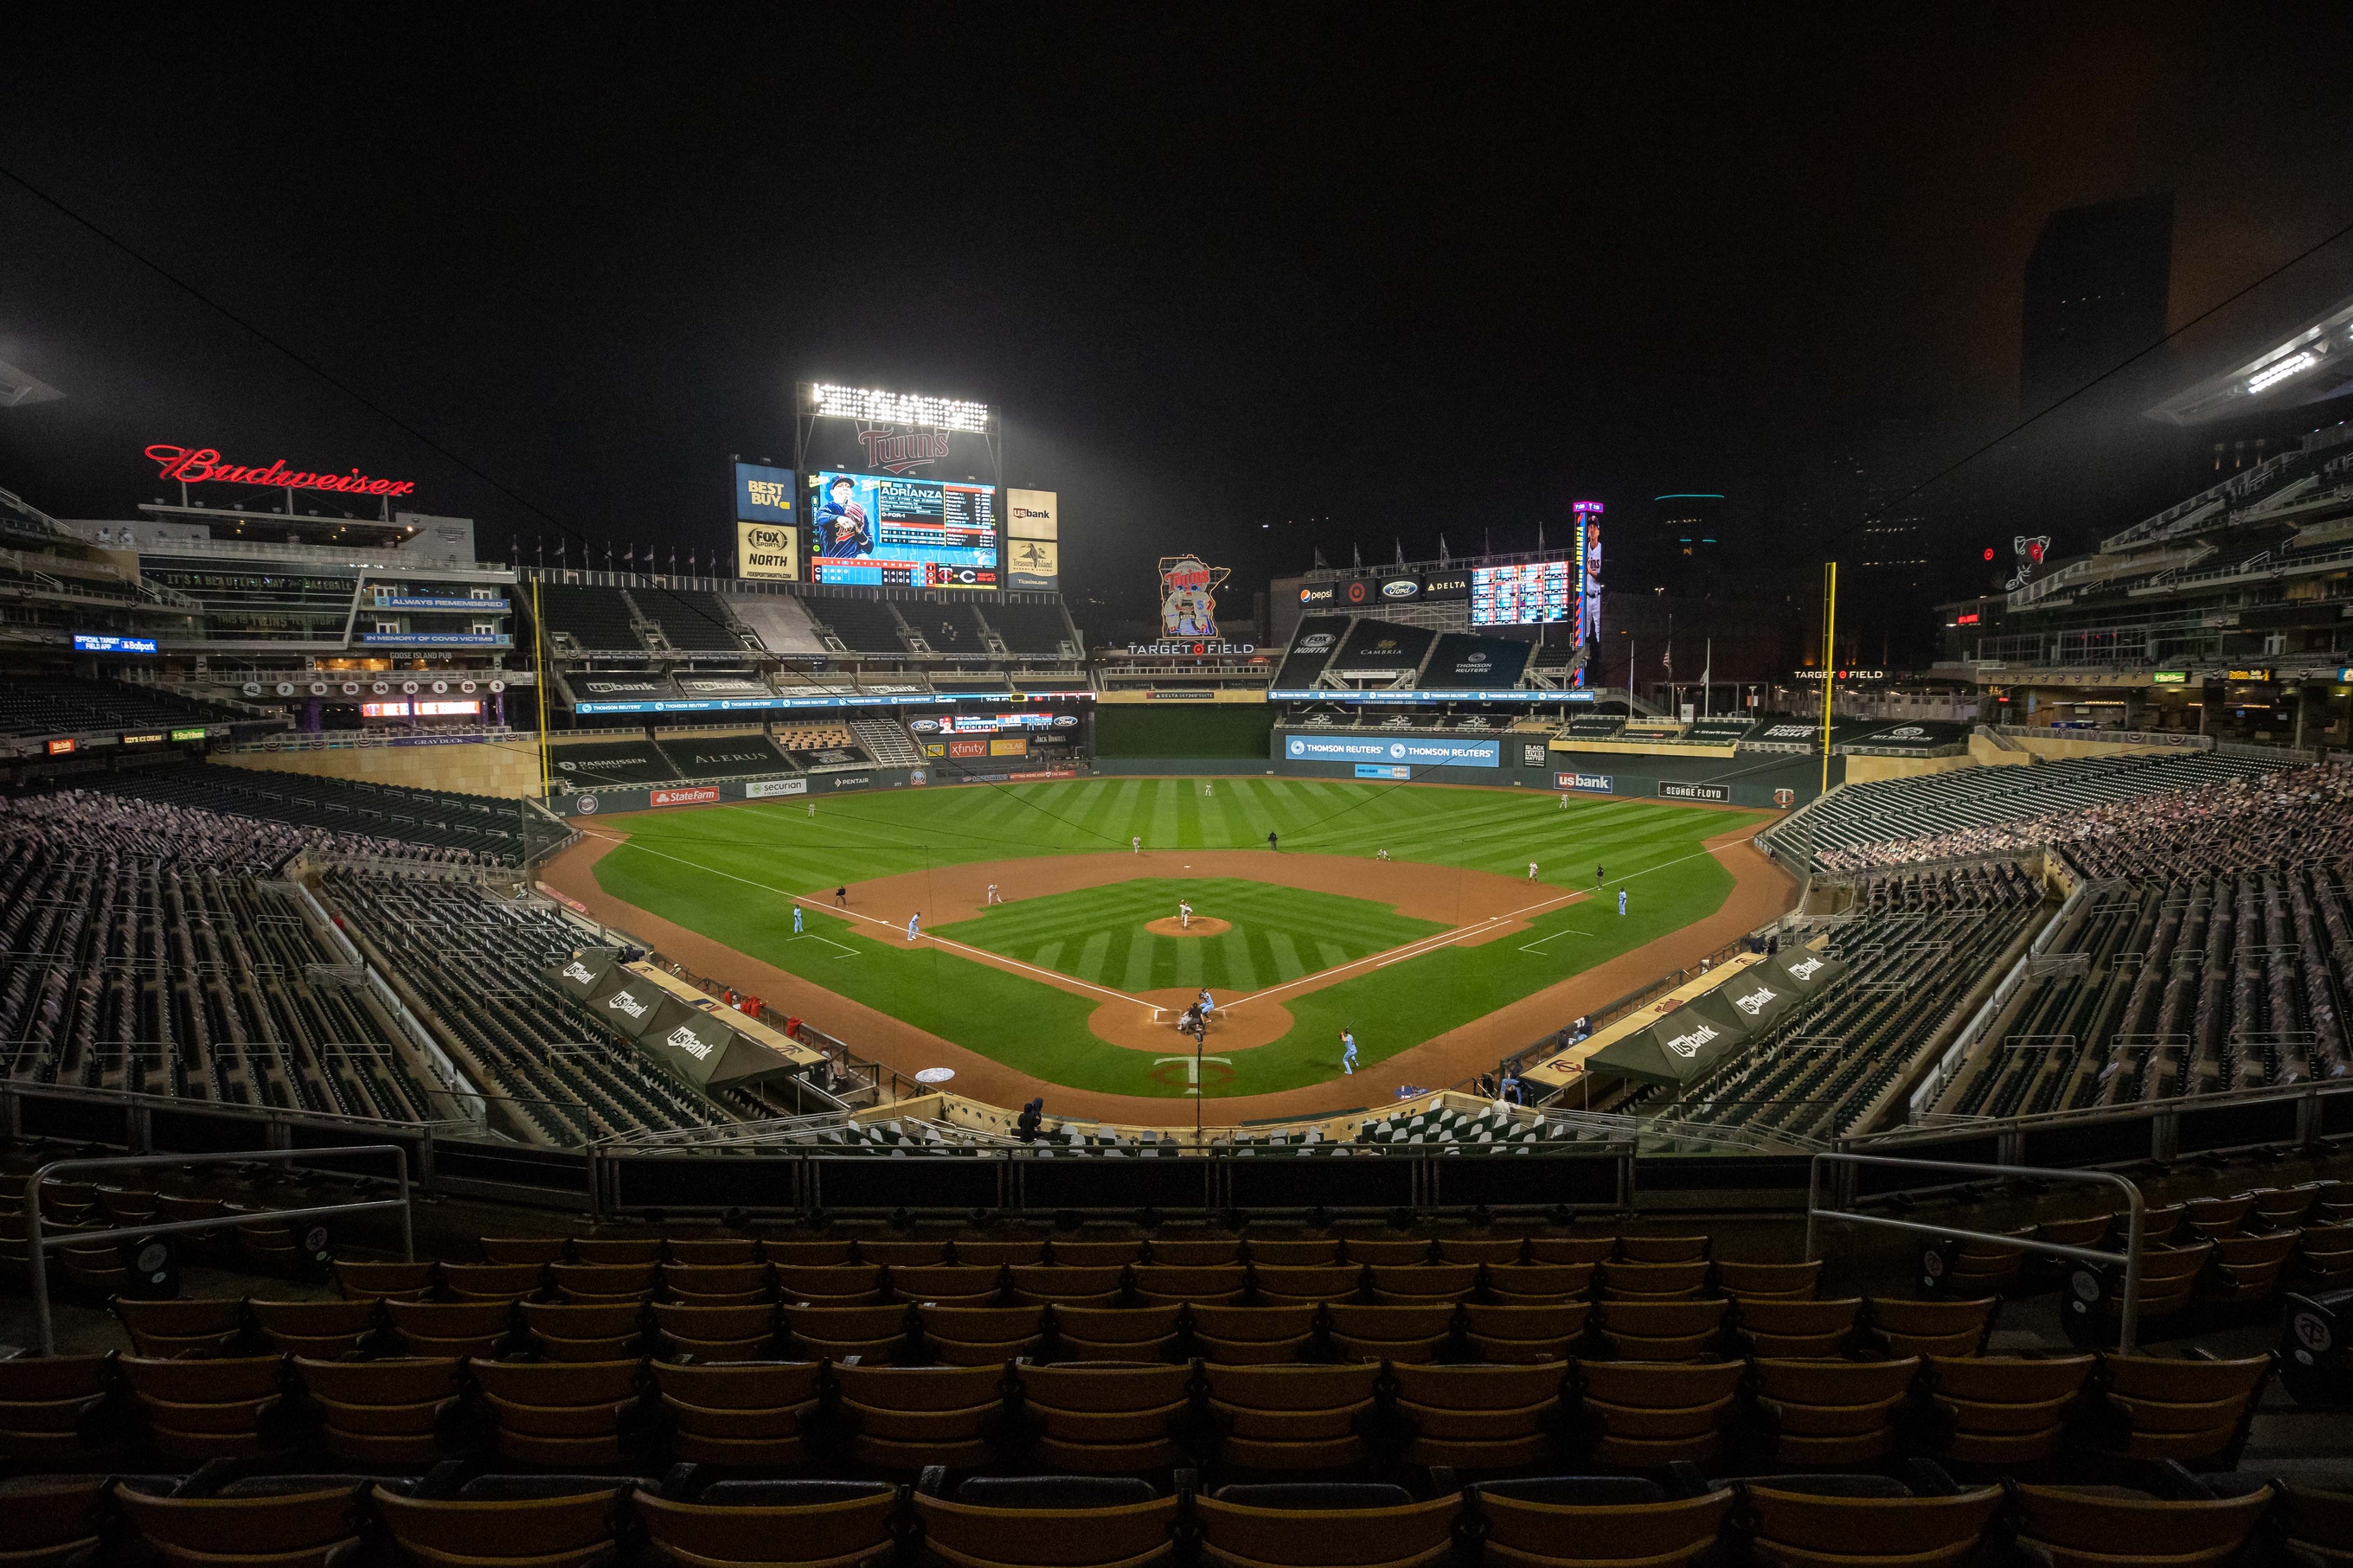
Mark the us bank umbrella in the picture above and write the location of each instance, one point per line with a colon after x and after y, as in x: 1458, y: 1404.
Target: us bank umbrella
x: 1682, y: 1047
x: 584, y: 976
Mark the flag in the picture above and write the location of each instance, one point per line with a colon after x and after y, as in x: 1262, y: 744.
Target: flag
x: 1356, y: 554
x: 1320, y: 562
x: 1667, y: 660
x: 1400, y: 549
x: 1443, y: 558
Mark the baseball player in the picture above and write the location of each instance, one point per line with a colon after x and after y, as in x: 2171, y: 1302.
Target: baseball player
x: 1208, y: 1003
x: 1564, y: 800
x: 1183, y: 915
x: 1599, y: 876
x: 796, y: 919
x: 1621, y: 900
x: 993, y: 897
x: 915, y: 925
x: 812, y: 808
x: 1136, y: 844
x: 1348, y: 1052
x: 841, y: 898
x: 1532, y: 871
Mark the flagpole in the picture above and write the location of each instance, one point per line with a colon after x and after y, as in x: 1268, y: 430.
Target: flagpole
x: 1830, y: 664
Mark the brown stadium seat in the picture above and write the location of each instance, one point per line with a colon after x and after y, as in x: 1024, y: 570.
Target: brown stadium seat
x: 1288, y: 1531
x: 1050, y: 1521
x: 2002, y: 1412
x: 1296, y: 1283
x: 617, y: 1250
x: 200, y: 1410
x: 53, y: 1520
x: 1768, y: 1282
x: 946, y: 1284
x: 1422, y: 1283
x: 1251, y: 1335
x: 2324, y: 1257
x: 978, y: 1336
x: 530, y: 1522
x: 1536, y: 1284
x: 1554, y: 1521
x: 909, y: 1417
x: 606, y: 1283
x: 839, y: 1333
x: 493, y: 1281
x: 574, y: 1330
x: 808, y: 1254
x: 1214, y: 1252
x: 1796, y: 1329
x: 1204, y: 1285
x: 1314, y: 1253
x: 1826, y: 1413
x: 2212, y: 1217
x: 1807, y: 1521
x: 1513, y: 1333
x: 324, y: 1329
x: 2319, y: 1525
x: 828, y: 1285
x: 1410, y: 1333
x: 1106, y: 1418
x: 717, y: 1333
x: 1497, y: 1251
x: 46, y: 1404
x: 2247, y: 1269
x: 2190, y: 1410
x: 1654, y: 1414
x: 2089, y: 1230
x: 1930, y: 1328
x: 381, y: 1415
x: 386, y: 1281
x: 542, y: 1249
x: 1291, y: 1418
x: 1390, y: 1252
x: 2168, y: 1284
x: 714, y: 1251
x: 559, y: 1415
x: 1654, y: 1281
x: 739, y: 1414
x: 993, y: 1254
x: 1571, y: 1249
x: 1114, y: 1255
x: 2098, y: 1526
x: 903, y: 1254
x: 716, y: 1284
x: 1116, y: 1333
x: 188, y: 1326
x: 745, y: 1524
x: 1089, y: 1286
x: 1481, y: 1417
x: 1663, y: 1248
x: 300, y: 1521
x: 1660, y: 1331
x: 94, y: 1267
x: 455, y: 1328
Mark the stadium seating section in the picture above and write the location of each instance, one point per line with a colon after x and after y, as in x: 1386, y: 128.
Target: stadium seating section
x: 39, y: 705
x: 596, y: 619
x: 689, y: 619
x: 725, y: 757
x: 864, y: 626
x: 949, y: 626
x: 780, y: 622
x: 607, y: 763
x: 1311, y: 648
x: 1033, y: 629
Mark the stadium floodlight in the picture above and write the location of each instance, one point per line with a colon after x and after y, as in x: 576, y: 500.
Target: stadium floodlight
x: 2273, y: 373
x: 827, y: 401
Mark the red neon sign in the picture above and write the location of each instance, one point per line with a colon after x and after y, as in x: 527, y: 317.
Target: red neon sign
x: 203, y: 465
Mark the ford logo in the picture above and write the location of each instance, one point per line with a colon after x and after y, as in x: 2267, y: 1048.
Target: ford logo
x: 1400, y: 588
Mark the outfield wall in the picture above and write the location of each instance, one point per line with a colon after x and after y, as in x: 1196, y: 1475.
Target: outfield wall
x: 1228, y: 731
x: 1527, y: 761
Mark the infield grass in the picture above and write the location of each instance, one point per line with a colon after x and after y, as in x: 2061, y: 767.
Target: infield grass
x: 729, y: 874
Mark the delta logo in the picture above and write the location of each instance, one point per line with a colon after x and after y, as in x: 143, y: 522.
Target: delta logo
x: 1757, y: 1001
x: 686, y: 1040
x: 1687, y: 1045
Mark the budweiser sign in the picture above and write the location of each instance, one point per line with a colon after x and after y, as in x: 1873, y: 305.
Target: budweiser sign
x: 203, y: 465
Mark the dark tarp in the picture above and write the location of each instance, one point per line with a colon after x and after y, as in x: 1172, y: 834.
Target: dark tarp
x: 582, y: 976
x: 1760, y: 994
x: 1686, y: 1045
x: 1807, y: 970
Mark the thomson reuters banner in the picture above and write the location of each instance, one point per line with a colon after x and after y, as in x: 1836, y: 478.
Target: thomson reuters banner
x: 766, y: 550
x: 1033, y: 549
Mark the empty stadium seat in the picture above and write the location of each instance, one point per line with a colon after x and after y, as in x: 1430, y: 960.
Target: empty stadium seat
x: 297, y: 1521
x: 530, y: 1521
x: 1826, y: 1413
x: 742, y: 1523
x: 382, y: 1415
x: 1291, y: 1418
x: 1050, y: 1521
x: 1810, y: 1521
x: 1563, y: 1520
x: 1654, y: 1414
x: 559, y: 1414
x: 2095, y: 1527
x: 907, y: 1417
x: 1332, y: 1526
x: 207, y: 1409
x: 1107, y: 1418
x: 740, y: 1415
x: 2003, y: 1411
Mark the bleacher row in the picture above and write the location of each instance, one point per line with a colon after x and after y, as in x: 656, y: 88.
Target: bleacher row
x: 1489, y: 1130
x: 788, y: 750
x: 643, y: 619
x: 53, y: 705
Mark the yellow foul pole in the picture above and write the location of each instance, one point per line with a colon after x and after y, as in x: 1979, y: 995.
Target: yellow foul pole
x: 1829, y: 661
x: 539, y: 684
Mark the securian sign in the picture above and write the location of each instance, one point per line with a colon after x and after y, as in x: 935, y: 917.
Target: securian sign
x: 203, y: 465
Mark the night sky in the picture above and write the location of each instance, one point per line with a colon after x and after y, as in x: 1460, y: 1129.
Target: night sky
x: 1241, y: 282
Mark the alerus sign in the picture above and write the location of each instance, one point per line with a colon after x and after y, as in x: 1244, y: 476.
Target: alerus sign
x: 203, y: 465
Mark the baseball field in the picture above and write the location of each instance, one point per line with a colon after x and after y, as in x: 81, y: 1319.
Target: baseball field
x: 1397, y: 912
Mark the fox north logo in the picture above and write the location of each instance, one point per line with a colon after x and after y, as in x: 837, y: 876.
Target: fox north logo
x: 1687, y: 1045
x: 1315, y: 642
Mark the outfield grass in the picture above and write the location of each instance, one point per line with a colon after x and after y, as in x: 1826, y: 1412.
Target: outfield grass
x: 1098, y: 934
x: 727, y: 873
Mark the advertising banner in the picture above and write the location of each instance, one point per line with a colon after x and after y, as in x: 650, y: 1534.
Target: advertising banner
x: 967, y: 748
x: 1016, y: 747
x: 698, y: 794
x: 1033, y: 534
x: 583, y: 976
x: 897, y: 533
x: 1684, y: 1046
x: 1318, y: 593
x: 1591, y: 784
x: 1430, y: 751
x: 765, y: 789
x: 1446, y: 585
x: 763, y: 494
x: 1032, y: 563
x: 1673, y: 789
x: 767, y: 550
x: 1382, y: 771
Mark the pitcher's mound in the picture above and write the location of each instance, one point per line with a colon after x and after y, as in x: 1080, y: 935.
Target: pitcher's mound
x: 1203, y: 925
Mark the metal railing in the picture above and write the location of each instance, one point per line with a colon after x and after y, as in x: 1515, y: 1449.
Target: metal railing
x: 36, y: 1246
x: 2128, y: 1312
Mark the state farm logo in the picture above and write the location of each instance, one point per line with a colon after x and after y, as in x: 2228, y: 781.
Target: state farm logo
x: 1757, y: 1001
x: 623, y: 1002
x: 685, y: 1040
x: 1688, y: 1045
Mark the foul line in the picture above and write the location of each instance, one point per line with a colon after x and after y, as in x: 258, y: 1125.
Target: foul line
x: 981, y: 954
x: 812, y: 936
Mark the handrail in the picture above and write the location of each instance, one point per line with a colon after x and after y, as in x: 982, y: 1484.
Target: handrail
x: 2137, y: 1209
x: 36, y: 1245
